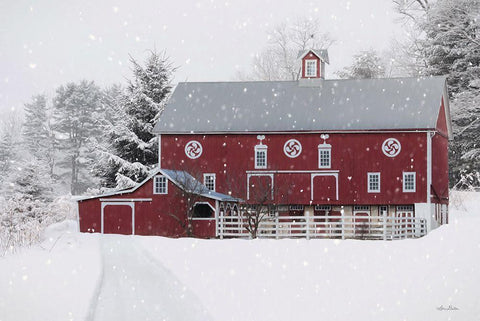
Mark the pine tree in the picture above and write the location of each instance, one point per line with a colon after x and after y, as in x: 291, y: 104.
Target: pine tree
x: 37, y: 134
x: 30, y: 180
x: 77, y: 117
x: 450, y: 45
x: 5, y: 153
x: 366, y: 64
x: 132, y: 138
x: 108, y: 163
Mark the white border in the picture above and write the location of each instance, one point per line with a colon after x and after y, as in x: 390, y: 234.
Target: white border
x: 293, y: 141
x: 316, y: 68
x: 105, y: 204
x: 372, y: 174
x: 414, y: 182
x: 190, y: 143
x: 395, y: 140
x: 166, y: 184
x: 214, y: 180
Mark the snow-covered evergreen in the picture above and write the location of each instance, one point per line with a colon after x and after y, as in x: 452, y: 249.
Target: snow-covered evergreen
x: 77, y: 117
x: 37, y: 134
x: 134, y: 146
x: 448, y: 44
x: 366, y: 64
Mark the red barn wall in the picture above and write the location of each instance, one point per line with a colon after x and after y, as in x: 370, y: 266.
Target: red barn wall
x: 353, y: 155
x: 151, y: 217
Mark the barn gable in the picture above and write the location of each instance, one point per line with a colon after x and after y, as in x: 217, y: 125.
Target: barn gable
x: 180, y: 179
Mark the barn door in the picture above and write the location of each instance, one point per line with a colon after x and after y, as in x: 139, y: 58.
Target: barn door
x: 118, y: 218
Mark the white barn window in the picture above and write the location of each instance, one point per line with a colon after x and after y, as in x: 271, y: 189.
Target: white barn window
x: 409, y: 184
x: 261, y: 156
x: 160, y: 185
x: 310, y: 68
x: 324, y: 156
x: 209, y: 181
x: 373, y: 182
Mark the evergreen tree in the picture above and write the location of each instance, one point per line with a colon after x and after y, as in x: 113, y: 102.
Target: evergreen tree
x: 30, y: 180
x: 452, y: 47
x: 452, y: 43
x: 6, y: 148
x: 77, y: 117
x: 366, y: 64
x: 449, y: 44
x: 37, y: 134
x: 108, y: 163
x: 135, y: 145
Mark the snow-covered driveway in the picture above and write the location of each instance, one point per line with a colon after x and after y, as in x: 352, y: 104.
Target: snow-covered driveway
x: 135, y: 286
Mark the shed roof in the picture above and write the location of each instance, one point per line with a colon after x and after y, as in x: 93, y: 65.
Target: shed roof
x: 304, y: 105
x: 182, y: 179
x: 188, y: 183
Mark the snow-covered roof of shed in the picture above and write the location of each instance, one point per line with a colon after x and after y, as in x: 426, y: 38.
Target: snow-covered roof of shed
x: 321, y: 53
x: 304, y: 105
x: 189, y: 184
x: 182, y: 179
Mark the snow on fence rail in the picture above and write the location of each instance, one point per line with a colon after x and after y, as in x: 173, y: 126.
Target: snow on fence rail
x: 342, y: 227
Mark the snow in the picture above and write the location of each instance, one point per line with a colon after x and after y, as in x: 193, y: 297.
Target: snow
x: 73, y: 276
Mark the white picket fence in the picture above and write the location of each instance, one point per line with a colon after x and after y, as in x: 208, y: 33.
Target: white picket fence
x: 341, y: 227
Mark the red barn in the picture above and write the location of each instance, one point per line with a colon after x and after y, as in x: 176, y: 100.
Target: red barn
x: 327, y: 158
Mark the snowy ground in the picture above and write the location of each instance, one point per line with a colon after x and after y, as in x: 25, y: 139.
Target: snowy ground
x: 76, y: 276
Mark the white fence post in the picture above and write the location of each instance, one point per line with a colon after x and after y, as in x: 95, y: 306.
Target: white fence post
x: 307, y: 222
x: 384, y: 217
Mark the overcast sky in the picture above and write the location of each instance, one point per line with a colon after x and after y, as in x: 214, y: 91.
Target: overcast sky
x: 46, y: 43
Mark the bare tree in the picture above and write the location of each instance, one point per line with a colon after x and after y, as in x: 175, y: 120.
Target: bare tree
x: 279, y: 60
x: 190, y: 192
x: 411, y: 9
x: 263, y: 204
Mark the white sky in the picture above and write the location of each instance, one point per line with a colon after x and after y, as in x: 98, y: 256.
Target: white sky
x: 44, y: 44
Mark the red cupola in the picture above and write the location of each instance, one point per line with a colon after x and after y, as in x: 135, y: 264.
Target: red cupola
x: 313, y: 63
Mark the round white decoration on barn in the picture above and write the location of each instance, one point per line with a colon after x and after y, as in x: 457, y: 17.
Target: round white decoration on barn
x: 193, y: 149
x: 292, y: 148
x: 391, y: 147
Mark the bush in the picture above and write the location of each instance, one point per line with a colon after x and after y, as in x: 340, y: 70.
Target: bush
x: 23, y: 220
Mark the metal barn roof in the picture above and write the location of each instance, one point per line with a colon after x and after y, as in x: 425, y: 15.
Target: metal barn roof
x: 305, y: 105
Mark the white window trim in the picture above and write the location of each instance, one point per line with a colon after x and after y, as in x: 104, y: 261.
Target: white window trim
x: 155, y: 184
x: 373, y: 174
x: 214, y: 180
x: 315, y: 69
x: 323, y: 207
x: 329, y: 149
x: 205, y: 218
x: 261, y: 148
x: 296, y: 208
x: 414, y: 182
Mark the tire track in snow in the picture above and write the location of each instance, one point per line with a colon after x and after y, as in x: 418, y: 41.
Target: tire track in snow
x: 135, y: 286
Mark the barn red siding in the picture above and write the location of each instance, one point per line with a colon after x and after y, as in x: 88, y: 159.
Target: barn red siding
x: 151, y: 217
x: 440, y: 169
x: 353, y: 156
x: 442, y: 121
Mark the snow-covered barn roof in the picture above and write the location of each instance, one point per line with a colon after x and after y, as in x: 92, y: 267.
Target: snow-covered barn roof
x: 304, y: 105
x: 188, y: 183
x: 321, y: 53
x: 182, y: 179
